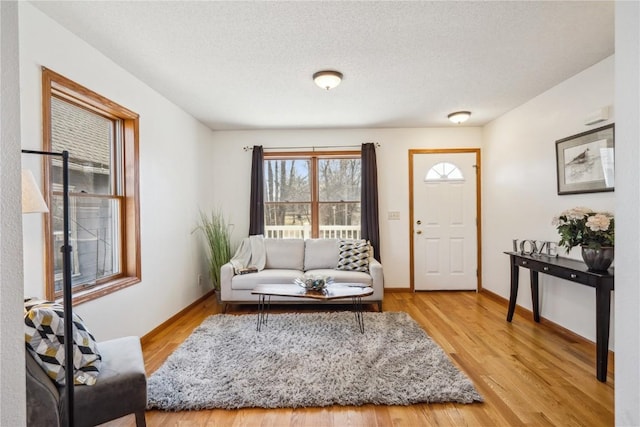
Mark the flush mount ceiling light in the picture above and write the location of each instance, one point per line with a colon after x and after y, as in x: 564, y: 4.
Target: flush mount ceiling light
x: 459, y: 116
x: 327, y: 79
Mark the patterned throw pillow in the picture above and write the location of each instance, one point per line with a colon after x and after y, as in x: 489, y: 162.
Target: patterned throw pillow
x: 354, y: 255
x: 44, y: 338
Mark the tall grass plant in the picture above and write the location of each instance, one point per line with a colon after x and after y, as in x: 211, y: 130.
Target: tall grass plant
x: 217, y: 232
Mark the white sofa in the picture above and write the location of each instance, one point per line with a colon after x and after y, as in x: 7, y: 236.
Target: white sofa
x: 288, y: 259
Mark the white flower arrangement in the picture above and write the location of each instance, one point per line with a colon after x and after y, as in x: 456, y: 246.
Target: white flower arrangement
x: 584, y: 227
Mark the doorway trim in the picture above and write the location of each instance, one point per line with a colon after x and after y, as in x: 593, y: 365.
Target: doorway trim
x: 413, y: 152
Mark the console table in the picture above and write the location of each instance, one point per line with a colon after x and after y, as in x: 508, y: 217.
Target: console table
x: 574, y: 271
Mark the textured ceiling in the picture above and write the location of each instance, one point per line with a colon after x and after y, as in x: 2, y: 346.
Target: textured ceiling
x: 248, y: 65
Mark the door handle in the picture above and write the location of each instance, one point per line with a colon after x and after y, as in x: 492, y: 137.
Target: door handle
x: 419, y: 232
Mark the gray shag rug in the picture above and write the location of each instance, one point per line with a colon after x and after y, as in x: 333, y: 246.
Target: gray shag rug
x: 307, y: 360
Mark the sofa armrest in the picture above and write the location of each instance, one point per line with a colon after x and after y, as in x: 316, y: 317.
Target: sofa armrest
x: 226, y: 274
x: 375, y: 269
x: 43, y: 397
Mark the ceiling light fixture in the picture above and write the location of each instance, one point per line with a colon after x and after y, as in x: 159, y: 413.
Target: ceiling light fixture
x: 327, y: 79
x: 459, y: 116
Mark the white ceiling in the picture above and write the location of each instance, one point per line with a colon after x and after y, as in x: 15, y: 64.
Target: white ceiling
x: 248, y: 65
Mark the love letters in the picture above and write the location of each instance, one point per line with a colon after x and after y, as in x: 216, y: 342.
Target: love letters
x: 535, y: 247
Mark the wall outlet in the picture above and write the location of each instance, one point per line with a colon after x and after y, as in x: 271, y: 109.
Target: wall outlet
x: 393, y: 215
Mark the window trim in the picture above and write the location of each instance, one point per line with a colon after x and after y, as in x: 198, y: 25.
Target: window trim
x: 54, y: 84
x: 313, y: 156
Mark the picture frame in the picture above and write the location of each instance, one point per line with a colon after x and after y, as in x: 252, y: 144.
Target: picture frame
x: 585, y: 162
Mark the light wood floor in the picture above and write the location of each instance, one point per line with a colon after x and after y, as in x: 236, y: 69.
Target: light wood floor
x: 529, y: 374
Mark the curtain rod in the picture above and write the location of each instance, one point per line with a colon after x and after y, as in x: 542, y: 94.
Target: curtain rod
x: 313, y: 147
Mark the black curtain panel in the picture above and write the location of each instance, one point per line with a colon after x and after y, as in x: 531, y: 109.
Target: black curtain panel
x: 370, y: 227
x: 256, y: 207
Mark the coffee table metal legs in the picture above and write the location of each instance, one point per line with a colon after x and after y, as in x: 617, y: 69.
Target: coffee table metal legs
x: 357, y: 309
x: 264, y: 301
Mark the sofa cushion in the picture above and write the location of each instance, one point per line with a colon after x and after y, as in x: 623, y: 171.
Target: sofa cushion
x: 44, y: 338
x: 353, y: 255
x: 344, y: 276
x: 320, y: 253
x: 284, y: 253
x: 272, y: 276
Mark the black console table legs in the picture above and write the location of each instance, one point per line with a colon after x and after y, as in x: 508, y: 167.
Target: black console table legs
x: 513, y: 296
x: 603, y: 316
x: 574, y: 271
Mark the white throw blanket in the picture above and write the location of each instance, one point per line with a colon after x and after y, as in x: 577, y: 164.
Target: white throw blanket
x: 251, y: 253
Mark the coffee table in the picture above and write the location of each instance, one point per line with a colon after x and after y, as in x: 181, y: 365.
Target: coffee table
x: 334, y: 291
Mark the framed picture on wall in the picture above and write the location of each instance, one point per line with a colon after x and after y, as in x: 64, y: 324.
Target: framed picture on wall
x: 585, y: 162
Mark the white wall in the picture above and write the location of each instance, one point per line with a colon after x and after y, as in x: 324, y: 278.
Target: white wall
x: 171, y: 180
x: 181, y: 170
x: 231, y: 166
x: 520, y: 194
x: 12, y: 391
x: 627, y: 296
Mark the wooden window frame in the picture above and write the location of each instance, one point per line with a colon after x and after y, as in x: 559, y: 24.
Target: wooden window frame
x: 313, y: 157
x: 54, y: 84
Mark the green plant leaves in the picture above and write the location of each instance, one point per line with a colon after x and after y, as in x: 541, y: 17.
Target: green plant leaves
x: 217, y: 232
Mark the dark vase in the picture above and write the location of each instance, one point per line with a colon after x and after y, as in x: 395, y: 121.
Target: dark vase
x: 598, y: 259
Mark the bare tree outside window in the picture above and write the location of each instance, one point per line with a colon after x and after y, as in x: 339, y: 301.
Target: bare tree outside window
x: 339, y: 181
x: 312, y: 196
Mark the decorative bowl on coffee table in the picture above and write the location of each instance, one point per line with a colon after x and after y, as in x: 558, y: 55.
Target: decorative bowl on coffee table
x: 313, y: 282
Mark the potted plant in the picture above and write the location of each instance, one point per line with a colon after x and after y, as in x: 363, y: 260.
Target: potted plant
x: 593, y: 231
x: 217, y: 232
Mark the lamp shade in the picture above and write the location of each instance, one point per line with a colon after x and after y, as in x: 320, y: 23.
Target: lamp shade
x: 32, y: 200
x: 459, y: 116
x: 327, y: 79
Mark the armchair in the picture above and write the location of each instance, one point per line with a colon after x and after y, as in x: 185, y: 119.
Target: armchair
x: 121, y: 389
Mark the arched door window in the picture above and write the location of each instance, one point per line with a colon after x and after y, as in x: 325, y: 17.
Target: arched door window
x: 444, y: 171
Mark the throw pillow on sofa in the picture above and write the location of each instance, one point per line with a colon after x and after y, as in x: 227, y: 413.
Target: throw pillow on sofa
x: 44, y: 338
x: 286, y: 254
x: 321, y: 254
x: 354, y: 255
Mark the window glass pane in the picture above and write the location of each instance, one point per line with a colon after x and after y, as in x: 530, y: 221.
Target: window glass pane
x: 94, y: 225
x: 331, y: 197
x: 88, y: 137
x: 444, y: 172
x: 287, y: 220
x: 339, y: 179
x: 287, y: 180
x: 339, y: 220
x: 102, y: 140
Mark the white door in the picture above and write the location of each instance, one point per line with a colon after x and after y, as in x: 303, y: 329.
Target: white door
x: 444, y: 221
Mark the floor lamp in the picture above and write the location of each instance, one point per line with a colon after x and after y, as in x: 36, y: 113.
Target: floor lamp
x: 66, y: 282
